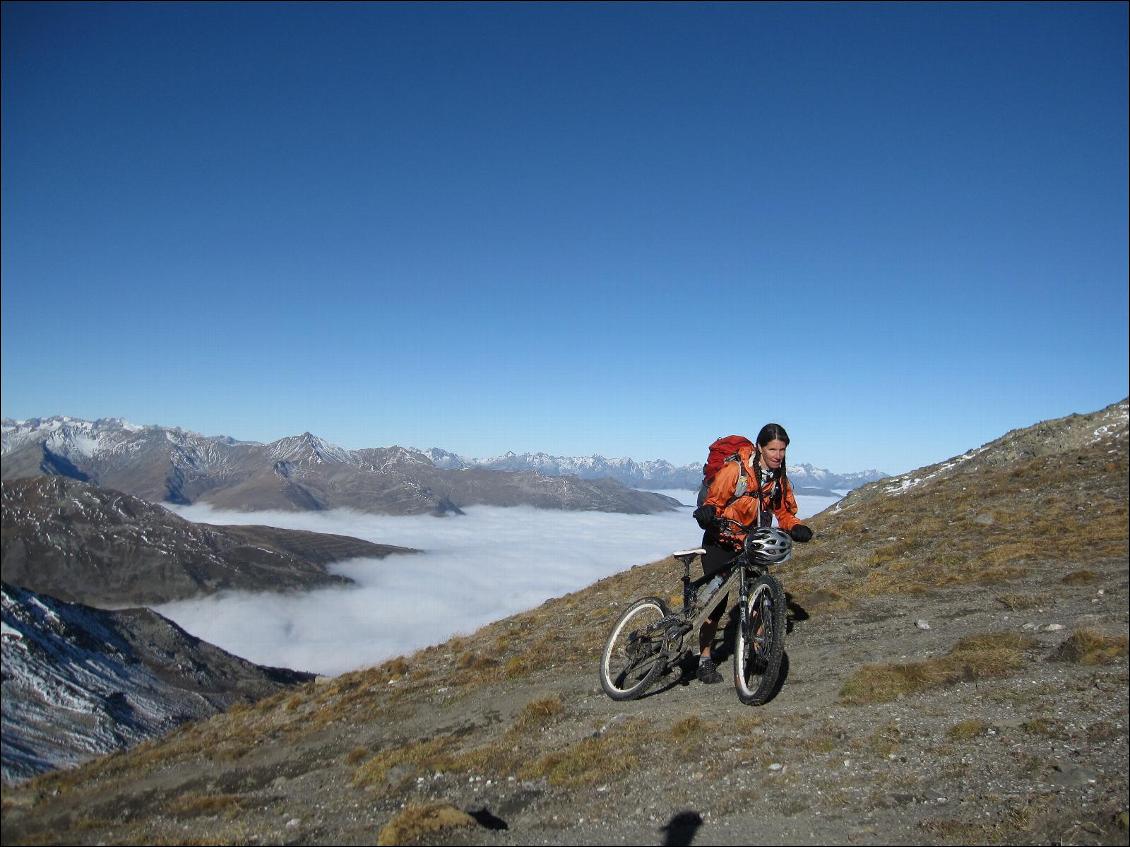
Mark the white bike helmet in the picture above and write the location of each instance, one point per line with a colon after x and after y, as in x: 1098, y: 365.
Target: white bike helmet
x: 769, y: 545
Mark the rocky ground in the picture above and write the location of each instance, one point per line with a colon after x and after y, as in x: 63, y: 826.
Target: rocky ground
x: 957, y: 673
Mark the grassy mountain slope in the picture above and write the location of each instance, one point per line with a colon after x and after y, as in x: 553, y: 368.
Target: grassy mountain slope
x: 957, y: 674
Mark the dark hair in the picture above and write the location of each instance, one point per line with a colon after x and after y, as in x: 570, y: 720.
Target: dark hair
x: 773, y: 432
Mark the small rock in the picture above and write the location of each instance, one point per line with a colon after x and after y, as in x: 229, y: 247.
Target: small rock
x: 1053, y: 627
x: 921, y: 623
x: 293, y: 823
x: 776, y: 766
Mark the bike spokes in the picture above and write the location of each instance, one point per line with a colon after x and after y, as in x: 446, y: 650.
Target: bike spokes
x: 635, y: 653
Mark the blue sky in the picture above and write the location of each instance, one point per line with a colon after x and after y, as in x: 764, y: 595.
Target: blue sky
x: 897, y: 229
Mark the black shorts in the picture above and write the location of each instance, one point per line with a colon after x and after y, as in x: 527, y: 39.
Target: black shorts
x: 716, y: 557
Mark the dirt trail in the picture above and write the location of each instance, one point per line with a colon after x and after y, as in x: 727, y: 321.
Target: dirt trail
x: 950, y: 681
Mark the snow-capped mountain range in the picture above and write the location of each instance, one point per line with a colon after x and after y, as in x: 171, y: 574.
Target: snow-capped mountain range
x: 68, y: 437
x: 657, y: 473
x: 302, y: 472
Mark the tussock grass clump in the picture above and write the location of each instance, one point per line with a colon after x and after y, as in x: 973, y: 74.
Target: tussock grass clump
x: 539, y: 713
x: 395, y: 667
x: 1042, y: 726
x: 976, y: 657
x: 515, y: 667
x: 471, y: 661
x: 688, y: 727
x: 417, y: 821
x: 970, y: 728
x: 1089, y: 647
x: 355, y: 755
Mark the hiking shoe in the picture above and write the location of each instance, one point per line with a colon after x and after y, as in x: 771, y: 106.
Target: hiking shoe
x: 708, y: 671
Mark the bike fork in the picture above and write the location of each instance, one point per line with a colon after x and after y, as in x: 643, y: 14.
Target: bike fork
x: 743, y: 605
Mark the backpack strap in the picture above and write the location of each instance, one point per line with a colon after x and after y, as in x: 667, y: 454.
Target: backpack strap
x: 741, y: 488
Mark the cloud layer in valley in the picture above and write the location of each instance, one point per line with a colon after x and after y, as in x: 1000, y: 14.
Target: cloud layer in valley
x: 483, y: 566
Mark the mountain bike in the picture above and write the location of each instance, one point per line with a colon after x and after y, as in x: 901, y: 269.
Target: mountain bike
x: 650, y: 640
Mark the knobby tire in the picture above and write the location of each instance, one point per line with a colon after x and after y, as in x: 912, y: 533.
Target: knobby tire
x: 760, y: 643
x: 635, y: 653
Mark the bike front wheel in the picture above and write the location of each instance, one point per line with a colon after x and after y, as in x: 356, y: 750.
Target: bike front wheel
x: 635, y: 653
x: 760, y: 642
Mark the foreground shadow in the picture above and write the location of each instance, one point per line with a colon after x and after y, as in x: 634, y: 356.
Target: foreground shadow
x: 487, y: 819
x: 681, y: 828
x: 796, y: 612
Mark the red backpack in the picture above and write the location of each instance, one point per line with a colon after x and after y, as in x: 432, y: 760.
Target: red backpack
x: 721, y: 451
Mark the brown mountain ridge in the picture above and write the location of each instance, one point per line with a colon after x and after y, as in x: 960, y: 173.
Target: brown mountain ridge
x: 82, y: 543
x: 957, y: 673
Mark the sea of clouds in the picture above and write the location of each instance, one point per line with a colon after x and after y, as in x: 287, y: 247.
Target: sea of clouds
x: 476, y: 568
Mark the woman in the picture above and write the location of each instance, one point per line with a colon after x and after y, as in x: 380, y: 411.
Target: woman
x: 751, y: 489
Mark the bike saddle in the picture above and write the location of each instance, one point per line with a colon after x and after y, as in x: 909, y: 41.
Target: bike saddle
x: 686, y: 555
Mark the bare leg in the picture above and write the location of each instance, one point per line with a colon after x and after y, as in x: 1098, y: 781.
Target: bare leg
x: 706, y: 636
x: 709, y: 627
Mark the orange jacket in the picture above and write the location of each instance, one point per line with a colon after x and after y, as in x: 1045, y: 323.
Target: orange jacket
x: 748, y: 509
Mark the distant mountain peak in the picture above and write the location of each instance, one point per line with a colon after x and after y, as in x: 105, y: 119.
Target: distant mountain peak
x: 308, y: 448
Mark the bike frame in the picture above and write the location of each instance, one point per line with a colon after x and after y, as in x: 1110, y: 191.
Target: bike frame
x: 740, y: 571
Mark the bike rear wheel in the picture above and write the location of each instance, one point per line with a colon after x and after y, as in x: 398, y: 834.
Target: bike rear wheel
x: 760, y: 643
x: 635, y: 653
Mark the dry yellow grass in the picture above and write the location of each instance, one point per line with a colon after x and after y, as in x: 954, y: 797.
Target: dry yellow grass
x: 594, y: 759
x: 687, y: 727
x: 418, y: 821
x: 198, y: 805
x: 1088, y: 647
x: 356, y: 755
x: 976, y: 657
x: 415, y: 755
x: 970, y: 728
x: 538, y: 713
x: 515, y: 667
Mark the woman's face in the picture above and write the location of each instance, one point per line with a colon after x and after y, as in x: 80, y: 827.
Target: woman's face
x: 773, y: 454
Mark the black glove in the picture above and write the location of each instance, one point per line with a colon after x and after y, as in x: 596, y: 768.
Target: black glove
x: 801, y: 533
x: 707, y: 517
